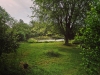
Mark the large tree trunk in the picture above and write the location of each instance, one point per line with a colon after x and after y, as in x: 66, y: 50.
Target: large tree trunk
x: 67, y: 31
x: 67, y: 36
x: 66, y: 40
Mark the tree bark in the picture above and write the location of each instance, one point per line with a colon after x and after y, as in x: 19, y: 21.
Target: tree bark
x: 67, y: 31
x: 66, y: 40
x: 67, y: 36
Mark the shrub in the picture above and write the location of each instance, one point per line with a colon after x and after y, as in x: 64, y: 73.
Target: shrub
x: 9, y: 65
x: 8, y: 39
x: 91, y: 43
x: 42, y: 37
x: 32, y: 40
x: 8, y: 44
x: 77, y: 40
x: 21, y: 36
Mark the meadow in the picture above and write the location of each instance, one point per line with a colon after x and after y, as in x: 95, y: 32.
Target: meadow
x: 50, y: 59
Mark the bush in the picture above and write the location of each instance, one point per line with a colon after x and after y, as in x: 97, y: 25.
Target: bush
x: 8, y: 44
x: 77, y: 40
x: 42, y: 37
x: 57, y: 37
x: 32, y: 40
x: 9, y: 65
x: 91, y: 43
x: 9, y: 41
x: 21, y: 36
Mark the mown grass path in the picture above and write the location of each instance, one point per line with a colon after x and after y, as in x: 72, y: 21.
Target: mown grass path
x: 51, y: 59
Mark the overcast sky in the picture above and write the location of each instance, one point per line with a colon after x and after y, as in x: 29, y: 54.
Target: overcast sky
x: 18, y: 9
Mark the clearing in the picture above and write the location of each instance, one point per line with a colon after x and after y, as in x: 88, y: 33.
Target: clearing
x: 50, y: 59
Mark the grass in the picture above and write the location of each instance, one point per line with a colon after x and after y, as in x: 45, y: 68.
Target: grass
x: 50, y: 59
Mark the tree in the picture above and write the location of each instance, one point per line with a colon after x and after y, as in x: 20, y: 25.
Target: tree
x: 44, y: 29
x: 22, y: 30
x: 7, y: 38
x: 65, y: 14
x: 91, y: 41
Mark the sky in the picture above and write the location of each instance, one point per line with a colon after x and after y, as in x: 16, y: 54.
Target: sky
x: 18, y: 9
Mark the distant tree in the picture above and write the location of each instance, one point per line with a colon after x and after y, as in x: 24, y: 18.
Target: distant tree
x: 22, y: 30
x: 21, y: 21
x: 43, y: 29
x: 65, y: 14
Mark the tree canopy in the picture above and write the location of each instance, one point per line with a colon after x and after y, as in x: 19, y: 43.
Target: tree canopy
x: 65, y: 14
x: 7, y: 38
x: 22, y: 30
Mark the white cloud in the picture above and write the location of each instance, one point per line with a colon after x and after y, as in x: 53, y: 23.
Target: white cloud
x: 19, y: 9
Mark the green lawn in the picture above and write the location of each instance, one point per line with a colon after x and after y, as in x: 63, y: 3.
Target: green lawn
x: 50, y: 59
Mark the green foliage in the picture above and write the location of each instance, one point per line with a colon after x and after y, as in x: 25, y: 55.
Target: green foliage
x: 32, y: 40
x: 22, y: 30
x: 9, y: 64
x: 57, y: 36
x: 8, y: 44
x: 7, y: 37
x: 91, y: 43
x: 38, y: 29
x: 42, y: 29
x: 66, y: 15
x: 77, y: 40
x: 43, y: 38
x: 21, y: 36
x: 4, y: 16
